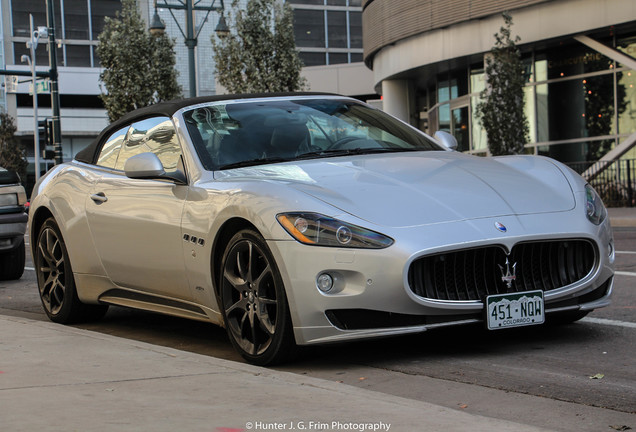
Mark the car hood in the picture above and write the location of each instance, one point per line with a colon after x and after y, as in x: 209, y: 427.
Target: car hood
x: 412, y: 189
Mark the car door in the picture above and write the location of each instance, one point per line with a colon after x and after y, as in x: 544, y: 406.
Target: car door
x: 136, y: 224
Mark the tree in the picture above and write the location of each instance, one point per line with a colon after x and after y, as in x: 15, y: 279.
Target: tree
x: 261, y: 56
x: 502, y: 108
x: 12, y: 156
x: 139, y: 68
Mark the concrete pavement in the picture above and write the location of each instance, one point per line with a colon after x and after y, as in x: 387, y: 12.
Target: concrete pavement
x: 59, y: 378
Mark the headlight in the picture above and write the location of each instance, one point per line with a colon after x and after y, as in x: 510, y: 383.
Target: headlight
x: 594, y: 208
x: 320, y: 230
x: 9, y: 199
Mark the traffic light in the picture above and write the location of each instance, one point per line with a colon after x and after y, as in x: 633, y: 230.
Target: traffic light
x: 43, y: 132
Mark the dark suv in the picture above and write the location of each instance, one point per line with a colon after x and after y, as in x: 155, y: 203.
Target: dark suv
x: 13, y: 219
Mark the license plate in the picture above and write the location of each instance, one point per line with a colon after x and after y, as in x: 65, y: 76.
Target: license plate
x: 515, y: 310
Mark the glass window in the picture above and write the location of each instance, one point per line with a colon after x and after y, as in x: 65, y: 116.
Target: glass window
x: 41, y: 54
x: 576, y: 108
x: 20, y: 49
x: 575, y: 60
x: 337, y: 29
x: 477, y: 84
x: 338, y: 58
x: 96, y: 61
x: 460, y: 128
x: 313, y: 58
x: 78, y: 55
x: 20, y: 10
x: 459, y: 84
x: 444, y: 118
x: 99, y: 10
x: 309, y: 28
x: 626, y: 102
x: 156, y: 135
x: 570, y: 152
x: 76, y: 19
x: 110, y: 150
x: 443, y: 91
x: 628, y: 46
x: 530, y: 112
x: 356, y: 57
x: 307, y: 2
x: 337, y: 2
x: 355, y: 29
x: 541, y: 70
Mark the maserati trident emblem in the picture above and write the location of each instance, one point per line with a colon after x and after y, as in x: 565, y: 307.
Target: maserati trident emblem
x: 507, y: 275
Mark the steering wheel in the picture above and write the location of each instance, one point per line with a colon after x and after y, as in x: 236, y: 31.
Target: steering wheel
x: 340, y: 144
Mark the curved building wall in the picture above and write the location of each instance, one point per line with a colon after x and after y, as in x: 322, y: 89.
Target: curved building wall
x: 427, y: 59
x: 389, y: 21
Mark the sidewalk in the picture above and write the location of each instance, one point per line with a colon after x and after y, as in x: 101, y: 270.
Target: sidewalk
x: 58, y: 378
x: 622, y: 217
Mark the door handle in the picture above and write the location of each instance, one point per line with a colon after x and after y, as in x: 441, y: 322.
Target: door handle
x: 99, y: 197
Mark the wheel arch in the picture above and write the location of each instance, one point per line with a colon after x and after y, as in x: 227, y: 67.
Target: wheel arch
x: 38, y: 219
x: 223, y: 236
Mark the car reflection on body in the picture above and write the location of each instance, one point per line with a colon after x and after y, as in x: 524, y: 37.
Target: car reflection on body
x: 302, y: 219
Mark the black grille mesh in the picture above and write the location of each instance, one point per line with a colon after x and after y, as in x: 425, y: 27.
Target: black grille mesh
x: 473, y: 274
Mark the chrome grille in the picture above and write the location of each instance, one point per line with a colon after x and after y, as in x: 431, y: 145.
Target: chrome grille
x: 473, y: 274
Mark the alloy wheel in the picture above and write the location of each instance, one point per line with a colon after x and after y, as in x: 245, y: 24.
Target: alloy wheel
x: 52, y: 270
x: 249, y: 296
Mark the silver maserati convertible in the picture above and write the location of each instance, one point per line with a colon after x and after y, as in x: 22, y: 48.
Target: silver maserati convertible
x: 297, y: 219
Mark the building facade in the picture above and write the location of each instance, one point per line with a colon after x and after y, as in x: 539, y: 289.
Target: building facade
x: 427, y: 59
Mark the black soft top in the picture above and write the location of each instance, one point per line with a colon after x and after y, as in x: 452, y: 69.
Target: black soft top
x: 90, y: 153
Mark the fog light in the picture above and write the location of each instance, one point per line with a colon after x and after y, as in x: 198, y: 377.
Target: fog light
x: 324, y: 282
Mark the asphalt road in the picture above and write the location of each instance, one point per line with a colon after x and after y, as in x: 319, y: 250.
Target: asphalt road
x: 577, y: 377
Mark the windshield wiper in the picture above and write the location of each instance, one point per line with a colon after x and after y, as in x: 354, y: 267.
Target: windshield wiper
x: 355, y: 151
x: 254, y: 162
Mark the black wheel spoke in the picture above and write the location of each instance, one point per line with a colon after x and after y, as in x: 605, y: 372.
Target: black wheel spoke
x: 239, y: 305
x: 264, y: 273
x: 265, y: 322
x: 267, y: 301
x: 235, y: 281
x: 244, y: 265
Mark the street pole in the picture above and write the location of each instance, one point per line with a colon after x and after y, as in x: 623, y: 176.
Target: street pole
x: 36, y: 129
x: 55, y: 94
x: 191, y: 43
x: 190, y: 6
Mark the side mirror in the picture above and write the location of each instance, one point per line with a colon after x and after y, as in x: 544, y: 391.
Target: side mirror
x: 147, y: 166
x: 447, y: 140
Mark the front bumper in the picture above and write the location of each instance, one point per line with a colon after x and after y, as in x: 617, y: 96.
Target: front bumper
x: 12, y: 229
x: 371, y: 296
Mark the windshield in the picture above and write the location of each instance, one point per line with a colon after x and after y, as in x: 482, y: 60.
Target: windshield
x: 252, y: 133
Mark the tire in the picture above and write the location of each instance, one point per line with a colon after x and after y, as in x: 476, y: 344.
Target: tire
x: 253, y: 301
x: 12, y: 263
x: 56, y: 282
